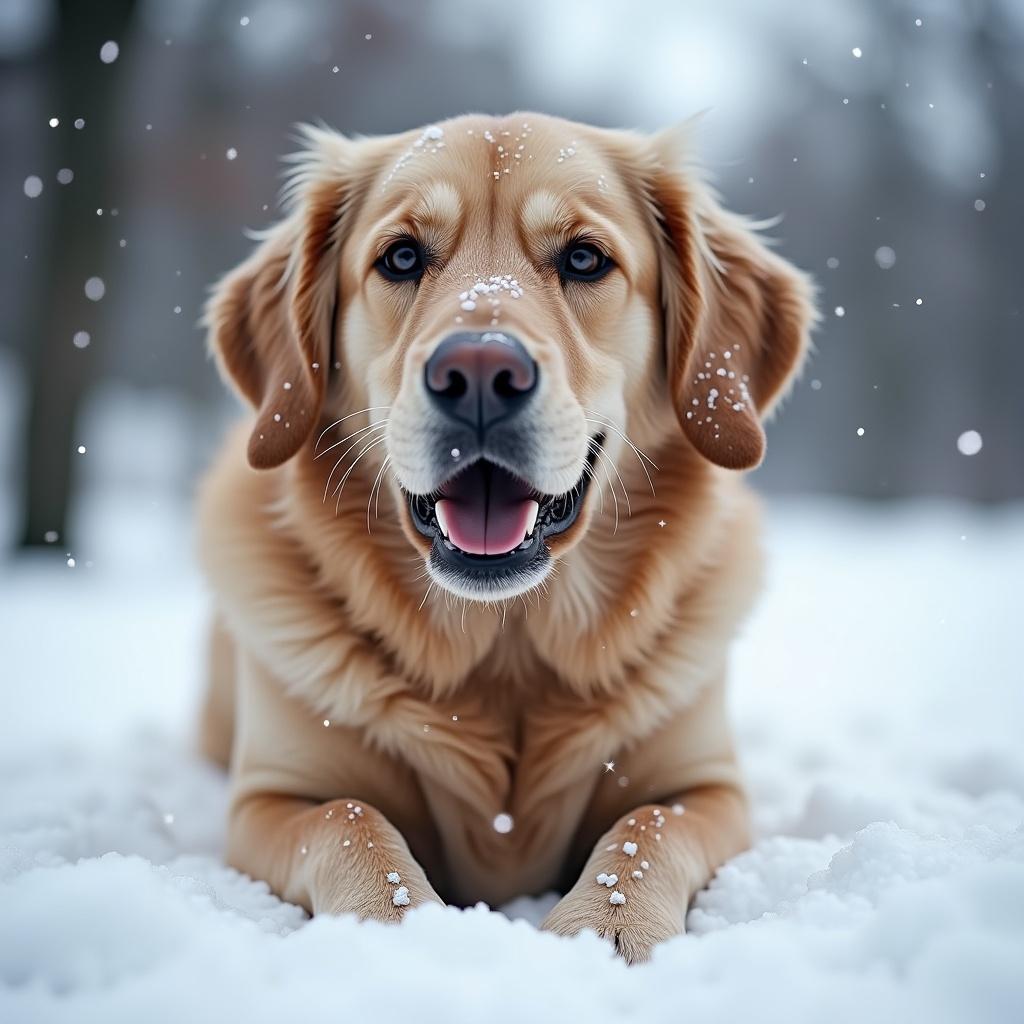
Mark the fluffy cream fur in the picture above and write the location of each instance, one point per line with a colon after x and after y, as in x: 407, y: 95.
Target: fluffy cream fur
x: 342, y: 676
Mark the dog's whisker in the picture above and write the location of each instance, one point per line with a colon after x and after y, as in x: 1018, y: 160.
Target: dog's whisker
x: 376, y: 425
x: 615, y: 470
x: 601, y: 418
x: 327, y: 487
x: 426, y: 594
x: 388, y: 462
x: 348, y: 472
x: 642, y: 457
x: 611, y: 487
x: 326, y: 430
x: 341, y: 458
x: 602, y: 457
x: 376, y: 487
x: 587, y: 470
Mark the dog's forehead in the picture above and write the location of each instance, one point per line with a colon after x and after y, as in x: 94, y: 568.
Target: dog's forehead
x: 497, y: 165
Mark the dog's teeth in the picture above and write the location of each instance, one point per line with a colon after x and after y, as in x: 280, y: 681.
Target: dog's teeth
x: 532, y: 521
x: 442, y: 521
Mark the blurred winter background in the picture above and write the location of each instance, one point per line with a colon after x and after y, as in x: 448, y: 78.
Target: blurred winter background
x: 141, y: 137
x: 138, y: 138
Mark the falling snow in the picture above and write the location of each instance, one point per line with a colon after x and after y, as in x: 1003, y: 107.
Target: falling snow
x: 503, y: 823
x: 969, y: 442
x: 885, y: 257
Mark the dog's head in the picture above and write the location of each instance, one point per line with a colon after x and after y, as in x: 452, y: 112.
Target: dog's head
x: 493, y: 314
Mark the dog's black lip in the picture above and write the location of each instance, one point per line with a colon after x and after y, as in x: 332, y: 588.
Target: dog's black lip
x: 552, y: 519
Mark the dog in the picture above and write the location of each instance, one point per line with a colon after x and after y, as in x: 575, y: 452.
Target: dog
x: 479, y: 549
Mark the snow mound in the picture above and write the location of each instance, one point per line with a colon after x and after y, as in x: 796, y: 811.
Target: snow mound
x: 879, y: 711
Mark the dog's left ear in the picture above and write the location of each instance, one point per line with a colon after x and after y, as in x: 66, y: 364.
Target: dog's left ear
x: 737, y: 316
x: 270, y: 320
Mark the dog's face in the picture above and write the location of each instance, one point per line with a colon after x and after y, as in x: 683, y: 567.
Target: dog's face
x: 503, y: 293
x: 494, y: 301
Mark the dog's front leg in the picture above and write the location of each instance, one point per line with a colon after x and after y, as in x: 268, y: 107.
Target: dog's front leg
x: 286, y: 826
x: 645, y: 869
x: 338, y: 857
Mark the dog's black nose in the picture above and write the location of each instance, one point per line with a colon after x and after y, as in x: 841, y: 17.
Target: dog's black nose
x: 480, y: 378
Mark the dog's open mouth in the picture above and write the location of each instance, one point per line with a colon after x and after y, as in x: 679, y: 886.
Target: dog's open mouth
x: 490, y: 524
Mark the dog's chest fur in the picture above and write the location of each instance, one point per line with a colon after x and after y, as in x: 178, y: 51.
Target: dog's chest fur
x: 472, y: 711
x: 525, y: 847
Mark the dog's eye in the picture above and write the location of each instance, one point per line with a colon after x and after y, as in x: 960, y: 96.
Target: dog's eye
x: 402, y: 261
x: 582, y: 261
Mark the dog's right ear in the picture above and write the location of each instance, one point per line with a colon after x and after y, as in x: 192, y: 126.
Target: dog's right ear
x: 270, y: 321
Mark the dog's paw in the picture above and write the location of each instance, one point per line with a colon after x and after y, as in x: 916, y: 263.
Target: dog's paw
x: 377, y: 895
x: 634, y: 890
x: 633, y: 926
x: 361, y: 865
x: 386, y: 899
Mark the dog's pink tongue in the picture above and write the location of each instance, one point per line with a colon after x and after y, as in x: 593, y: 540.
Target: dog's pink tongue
x: 486, y: 514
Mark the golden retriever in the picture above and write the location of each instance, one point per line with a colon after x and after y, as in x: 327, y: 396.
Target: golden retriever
x: 479, y: 551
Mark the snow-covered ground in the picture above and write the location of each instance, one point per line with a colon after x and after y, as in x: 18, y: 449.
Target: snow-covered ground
x: 879, y: 703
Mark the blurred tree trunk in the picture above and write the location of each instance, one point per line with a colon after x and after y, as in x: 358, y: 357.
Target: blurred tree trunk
x: 72, y: 248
